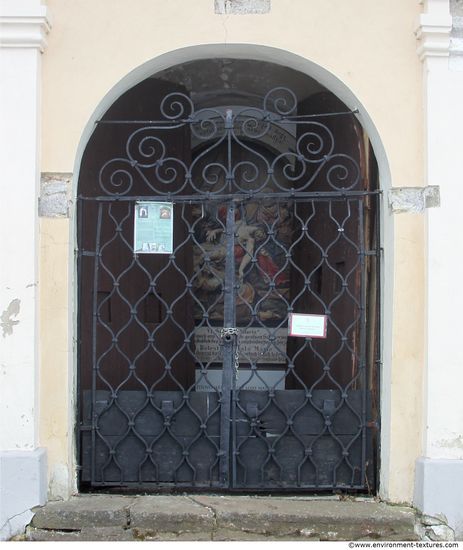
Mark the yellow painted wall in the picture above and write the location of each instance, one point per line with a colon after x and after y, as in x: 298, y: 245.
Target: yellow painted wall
x: 408, y: 354
x: 55, y: 348
x: 370, y: 46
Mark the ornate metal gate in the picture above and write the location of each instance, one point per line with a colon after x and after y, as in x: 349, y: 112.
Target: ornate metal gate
x: 189, y: 373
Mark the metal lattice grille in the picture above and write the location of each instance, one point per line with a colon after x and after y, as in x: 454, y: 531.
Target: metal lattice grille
x: 188, y: 374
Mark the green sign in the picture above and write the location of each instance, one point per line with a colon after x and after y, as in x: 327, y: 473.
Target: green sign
x: 153, y: 228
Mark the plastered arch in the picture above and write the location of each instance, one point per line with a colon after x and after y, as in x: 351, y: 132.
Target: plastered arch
x: 342, y: 91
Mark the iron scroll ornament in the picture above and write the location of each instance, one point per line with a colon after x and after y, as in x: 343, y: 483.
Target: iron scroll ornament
x: 148, y: 158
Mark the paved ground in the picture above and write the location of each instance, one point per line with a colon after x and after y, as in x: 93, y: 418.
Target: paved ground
x: 221, y: 518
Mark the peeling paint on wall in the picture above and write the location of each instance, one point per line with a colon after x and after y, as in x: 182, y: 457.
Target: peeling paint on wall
x: 6, y: 319
x: 455, y: 443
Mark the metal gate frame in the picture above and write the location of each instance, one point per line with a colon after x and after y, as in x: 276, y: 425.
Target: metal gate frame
x: 278, y: 108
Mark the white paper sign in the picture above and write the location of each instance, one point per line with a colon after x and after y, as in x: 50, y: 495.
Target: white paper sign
x: 267, y: 379
x: 153, y: 228
x: 307, y: 325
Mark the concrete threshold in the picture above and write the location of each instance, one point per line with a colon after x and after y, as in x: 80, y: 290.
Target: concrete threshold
x: 199, y: 517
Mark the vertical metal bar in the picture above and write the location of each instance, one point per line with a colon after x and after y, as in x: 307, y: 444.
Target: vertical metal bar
x: 228, y: 129
x: 232, y: 320
x: 233, y: 444
x: 378, y: 355
x: 78, y: 433
x: 94, y: 340
x: 362, y: 366
x: 228, y: 347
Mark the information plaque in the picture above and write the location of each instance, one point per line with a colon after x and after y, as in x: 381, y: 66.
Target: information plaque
x: 307, y: 325
x: 153, y: 228
x: 254, y: 345
x: 260, y: 380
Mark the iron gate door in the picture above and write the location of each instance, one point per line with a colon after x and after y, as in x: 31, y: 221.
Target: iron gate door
x: 191, y: 374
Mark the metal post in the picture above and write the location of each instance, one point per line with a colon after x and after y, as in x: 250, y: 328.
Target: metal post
x: 94, y: 338
x: 228, y: 347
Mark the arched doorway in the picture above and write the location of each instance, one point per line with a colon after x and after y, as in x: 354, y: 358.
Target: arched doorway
x: 228, y: 299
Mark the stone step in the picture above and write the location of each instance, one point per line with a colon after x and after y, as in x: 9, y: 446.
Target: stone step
x: 221, y: 518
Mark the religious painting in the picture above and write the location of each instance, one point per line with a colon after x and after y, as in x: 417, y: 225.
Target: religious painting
x: 263, y: 233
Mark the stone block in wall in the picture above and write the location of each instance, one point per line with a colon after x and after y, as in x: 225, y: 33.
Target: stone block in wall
x: 55, y: 195
x: 456, y: 7
x: 414, y: 199
x: 241, y: 7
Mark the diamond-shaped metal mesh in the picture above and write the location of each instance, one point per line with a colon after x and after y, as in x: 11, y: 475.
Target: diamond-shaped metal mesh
x: 188, y: 375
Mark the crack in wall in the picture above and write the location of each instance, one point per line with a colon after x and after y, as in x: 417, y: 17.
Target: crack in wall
x: 213, y: 512
x: 9, y: 520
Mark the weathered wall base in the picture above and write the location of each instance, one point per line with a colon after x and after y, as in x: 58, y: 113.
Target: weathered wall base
x: 23, y: 485
x: 439, y: 490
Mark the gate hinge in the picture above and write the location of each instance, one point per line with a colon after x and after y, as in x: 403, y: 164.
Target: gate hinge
x: 376, y: 252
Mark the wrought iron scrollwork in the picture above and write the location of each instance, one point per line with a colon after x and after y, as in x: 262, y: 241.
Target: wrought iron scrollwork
x: 310, y: 156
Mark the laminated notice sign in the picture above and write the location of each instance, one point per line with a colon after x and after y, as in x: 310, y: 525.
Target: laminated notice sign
x: 153, y: 228
x: 307, y: 325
